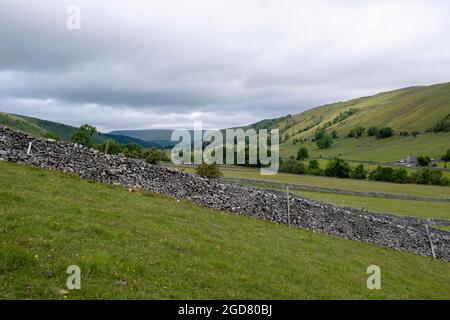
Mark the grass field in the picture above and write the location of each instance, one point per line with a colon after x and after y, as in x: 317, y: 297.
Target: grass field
x: 372, y: 149
x: 141, y: 245
x: 345, y: 184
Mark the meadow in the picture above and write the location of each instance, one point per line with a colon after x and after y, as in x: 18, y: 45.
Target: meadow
x: 140, y: 245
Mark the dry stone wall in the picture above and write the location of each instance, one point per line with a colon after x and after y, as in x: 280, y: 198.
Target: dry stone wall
x: 401, y: 233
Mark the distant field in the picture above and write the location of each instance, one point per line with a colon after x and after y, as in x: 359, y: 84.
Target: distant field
x: 347, y: 184
x: 139, y: 245
x: 369, y: 167
x: 372, y: 149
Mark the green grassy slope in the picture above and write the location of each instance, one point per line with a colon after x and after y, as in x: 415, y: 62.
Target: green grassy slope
x: 36, y: 126
x: 142, y: 245
x: 39, y: 128
x: 410, y: 109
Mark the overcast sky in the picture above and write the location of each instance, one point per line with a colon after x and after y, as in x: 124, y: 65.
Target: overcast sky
x: 163, y: 64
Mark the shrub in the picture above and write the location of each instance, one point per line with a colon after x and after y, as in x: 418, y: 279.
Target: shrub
x: 384, y: 133
x: 442, y: 126
x: 427, y: 176
x: 302, y: 153
x: 338, y: 168
x: 334, y: 134
x: 314, y: 168
x: 424, y: 161
x: 325, y: 143
x: 358, y: 132
x: 446, y: 157
x: 84, y: 135
x: 133, y: 150
x: 292, y: 166
x: 52, y: 136
x: 210, y: 171
x: 110, y: 146
x: 359, y: 172
x: 372, y: 131
x: 320, y: 134
x: 382, y: 174
x: 155, y: 156
x: 400, y: 175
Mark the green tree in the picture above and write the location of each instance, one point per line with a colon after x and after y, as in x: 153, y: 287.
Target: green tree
x: 133, y: 150
x: 210, y: 171
x: 325, y: 143
x: 424, y: 161
x: 372, y: 131
x: 110, y: 146
x: 359, y: 172
x: 292, y: 166
x: 384, y: 133
x: 84, y: 135
x: 155, y: 156
x: 338, y: 168
x: 302, y: 153
x: 358, y: 132
x: 446, y: 157
x: 334, y: 134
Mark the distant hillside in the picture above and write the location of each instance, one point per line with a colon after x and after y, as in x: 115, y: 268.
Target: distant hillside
x: 38, y: 127
x: 410, y: 109
x: 160, y: 136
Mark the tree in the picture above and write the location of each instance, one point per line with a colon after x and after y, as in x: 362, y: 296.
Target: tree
x: 338, y: 168
x: 384, y: 133
x: 314, y: 168
x: 210, y: 171
x: 292, y: 166
x: 302, y: 153
x: 372, y: 131
x: 320, y: 134
x: 326, y: 142
x: 359, y: 172
x: 358, y: 132
x: 334, y: 134
x: 424, y: 161
x: 110, y: 146
x: 155, y: 156
x: 313, y: 164
x: 446, y: 157
x: 84, y: 135
x: 133, y: 150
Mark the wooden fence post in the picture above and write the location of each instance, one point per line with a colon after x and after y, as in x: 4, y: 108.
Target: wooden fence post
x: 429, y: 239
x: 288, y: 206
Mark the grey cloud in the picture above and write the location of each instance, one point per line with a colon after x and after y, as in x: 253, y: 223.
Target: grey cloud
x: 161, y: 64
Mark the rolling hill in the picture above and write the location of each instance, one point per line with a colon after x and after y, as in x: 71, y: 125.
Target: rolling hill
x: 414, y: 109
x: 40, y: 128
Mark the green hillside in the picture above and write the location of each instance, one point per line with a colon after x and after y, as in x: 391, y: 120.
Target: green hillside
x: 140, y: 245
x: 36, y: 126
x: 410, y: 109
x: 41, y: 128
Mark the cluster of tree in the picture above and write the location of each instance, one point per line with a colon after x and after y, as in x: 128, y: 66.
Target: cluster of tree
x: 323, y: 139
x: 358, y: 132
x: 345, y: 115
x: 441, y: 126
x: 400, y: 175
x: 407, y: 134
x: 381, y: 133
x: 335, y: 168
x: 339, y: 168
x: 85, y: 136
